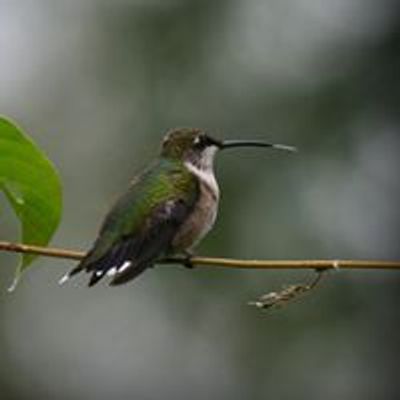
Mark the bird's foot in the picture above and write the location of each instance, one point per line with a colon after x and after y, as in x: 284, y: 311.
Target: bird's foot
x: 187, y: 259
x: 184, y: 258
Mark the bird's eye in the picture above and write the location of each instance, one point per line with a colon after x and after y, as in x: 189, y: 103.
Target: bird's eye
x: 199, y: 142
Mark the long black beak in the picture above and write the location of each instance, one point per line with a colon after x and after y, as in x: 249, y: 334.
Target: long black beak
x: 229, y: 144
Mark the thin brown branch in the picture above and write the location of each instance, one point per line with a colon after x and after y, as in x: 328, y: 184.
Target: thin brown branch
x: 41, y: 251
x: 217, y: 261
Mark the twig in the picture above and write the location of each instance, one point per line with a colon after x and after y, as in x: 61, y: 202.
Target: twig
x: 288, y: 294
x: 41, y: 251
x: 217, y: 261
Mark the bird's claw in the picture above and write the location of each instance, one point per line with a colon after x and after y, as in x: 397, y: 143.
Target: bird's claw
x: 187, y: 261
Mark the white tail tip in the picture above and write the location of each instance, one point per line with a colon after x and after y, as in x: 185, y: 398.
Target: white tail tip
x: 112, y: 271
x: 64, y: 279
x: 124, y: 266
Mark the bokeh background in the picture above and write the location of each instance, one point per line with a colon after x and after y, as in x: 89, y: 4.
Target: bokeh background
x: 96, y: 84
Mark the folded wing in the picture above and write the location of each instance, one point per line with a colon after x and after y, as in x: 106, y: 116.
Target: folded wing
x: 141, y: 226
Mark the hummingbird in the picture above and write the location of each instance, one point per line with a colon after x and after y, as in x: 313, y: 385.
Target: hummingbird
x: 166, y: 211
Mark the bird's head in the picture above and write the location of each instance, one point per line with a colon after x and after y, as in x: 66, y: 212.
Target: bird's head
x: 194, y: 145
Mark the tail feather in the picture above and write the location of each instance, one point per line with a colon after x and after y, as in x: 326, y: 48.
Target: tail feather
x: 130, y: 273
x: 96, y: 276
x: 113, y: 260
x: 65, y: 278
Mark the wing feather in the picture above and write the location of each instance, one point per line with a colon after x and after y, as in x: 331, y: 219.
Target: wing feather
x: 164, y: 224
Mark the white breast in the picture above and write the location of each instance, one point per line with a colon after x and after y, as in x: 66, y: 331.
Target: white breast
x: 204, y: 213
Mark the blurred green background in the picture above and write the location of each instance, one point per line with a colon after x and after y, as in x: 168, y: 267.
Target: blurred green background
x: 96, y: 83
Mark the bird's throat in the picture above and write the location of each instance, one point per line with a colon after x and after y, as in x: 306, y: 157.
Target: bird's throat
x: 205, y: 176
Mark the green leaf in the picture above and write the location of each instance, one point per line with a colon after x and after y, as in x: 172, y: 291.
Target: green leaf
x: 32, y: 186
